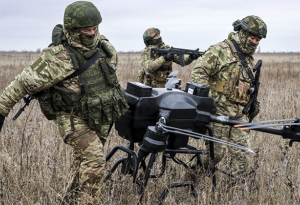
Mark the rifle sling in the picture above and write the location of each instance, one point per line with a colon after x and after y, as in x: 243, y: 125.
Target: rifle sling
x: 243, y: 60
x: 87, y: 64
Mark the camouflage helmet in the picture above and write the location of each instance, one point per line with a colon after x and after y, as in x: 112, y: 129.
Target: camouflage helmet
x: 81, y: 14
x: 149, y: 34
x: 252, y: 25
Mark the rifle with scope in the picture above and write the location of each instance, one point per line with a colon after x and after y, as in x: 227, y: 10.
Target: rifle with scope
x: 163, y: 120
x: 176, y: 51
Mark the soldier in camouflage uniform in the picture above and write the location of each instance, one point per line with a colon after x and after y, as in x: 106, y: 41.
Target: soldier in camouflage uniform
x: 83, y: 106
x: 220, y: 68
x: 156, y: 70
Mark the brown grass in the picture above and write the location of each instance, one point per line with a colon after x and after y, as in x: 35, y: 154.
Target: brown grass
x: 34, y: 161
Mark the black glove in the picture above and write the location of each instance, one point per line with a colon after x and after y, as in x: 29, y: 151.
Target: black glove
x: 193, y: 56
x: 1, y: 121
x: 168, y: 57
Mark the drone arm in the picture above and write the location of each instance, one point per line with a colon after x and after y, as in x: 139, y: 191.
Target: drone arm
x: 287, y: 131
x: 227, y: 121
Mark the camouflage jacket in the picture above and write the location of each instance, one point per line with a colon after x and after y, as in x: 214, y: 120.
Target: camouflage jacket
x: 220, y: 68
x: 52, y: 66
x: 157, y: 69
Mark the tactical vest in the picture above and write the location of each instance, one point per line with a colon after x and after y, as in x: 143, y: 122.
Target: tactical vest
x: 159, y: 77
x: 236, y: 86
x: 102, y: 101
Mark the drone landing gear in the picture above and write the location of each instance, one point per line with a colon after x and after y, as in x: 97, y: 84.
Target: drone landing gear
x: 132, y: 162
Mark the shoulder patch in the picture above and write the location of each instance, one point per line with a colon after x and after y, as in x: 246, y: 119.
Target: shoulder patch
x: 211, y: 59
x: 38, y: 65
x: 57, y: 49
x: 102, y: 37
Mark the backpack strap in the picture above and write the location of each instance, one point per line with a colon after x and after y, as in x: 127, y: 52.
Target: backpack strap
x: 85, y: 66
x: 243, y: 60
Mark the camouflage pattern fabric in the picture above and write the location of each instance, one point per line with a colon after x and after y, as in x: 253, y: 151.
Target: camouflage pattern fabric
x: 157, y: 69
x: 249, y: 26
x: 81, y: 14
x: 148, y: 37
x: 88, y: 157
x: 221, y: 65
x: 74, y: 37
x: 151, y: 32
x: 256, y: 26
x: 246, y: 45
x: 51, y: 67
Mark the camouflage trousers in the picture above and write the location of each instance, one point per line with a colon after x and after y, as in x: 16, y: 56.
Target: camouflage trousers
x: 236, y: 160
x: 88, y: 159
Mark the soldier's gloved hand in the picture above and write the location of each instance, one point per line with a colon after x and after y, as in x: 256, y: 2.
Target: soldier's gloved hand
x: 168, y: 57
x: 193, y: 56
x: 2, y: 118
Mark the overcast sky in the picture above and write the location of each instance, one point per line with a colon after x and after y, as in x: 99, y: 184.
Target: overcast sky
x: 27, y: 24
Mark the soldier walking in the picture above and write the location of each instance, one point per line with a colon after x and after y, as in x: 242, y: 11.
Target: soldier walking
x: 222, y: 70
x: 76, y: 84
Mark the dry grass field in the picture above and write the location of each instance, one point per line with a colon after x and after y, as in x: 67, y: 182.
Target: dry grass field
x: 35, y: 163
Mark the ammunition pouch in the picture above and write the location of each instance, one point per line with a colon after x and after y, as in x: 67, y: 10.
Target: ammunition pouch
x: 104, y: 109
x: 235, y: 93
x: 109, y: 73
x: 45, y: 101
x: 216, y: 85
x: 162, y: 73
x: 58, y: 99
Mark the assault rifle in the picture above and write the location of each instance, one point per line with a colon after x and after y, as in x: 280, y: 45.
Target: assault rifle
x: 27, y: 101
x: 253, y: 91
x: 178, y: 51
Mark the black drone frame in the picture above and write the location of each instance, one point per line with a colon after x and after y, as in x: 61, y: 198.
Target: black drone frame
x: 163, y: 119
x: 155, y: 142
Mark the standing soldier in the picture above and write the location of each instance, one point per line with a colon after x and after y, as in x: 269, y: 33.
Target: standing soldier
x: 75, y: 82
x: 222, y: 70
x: 156, y: 70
